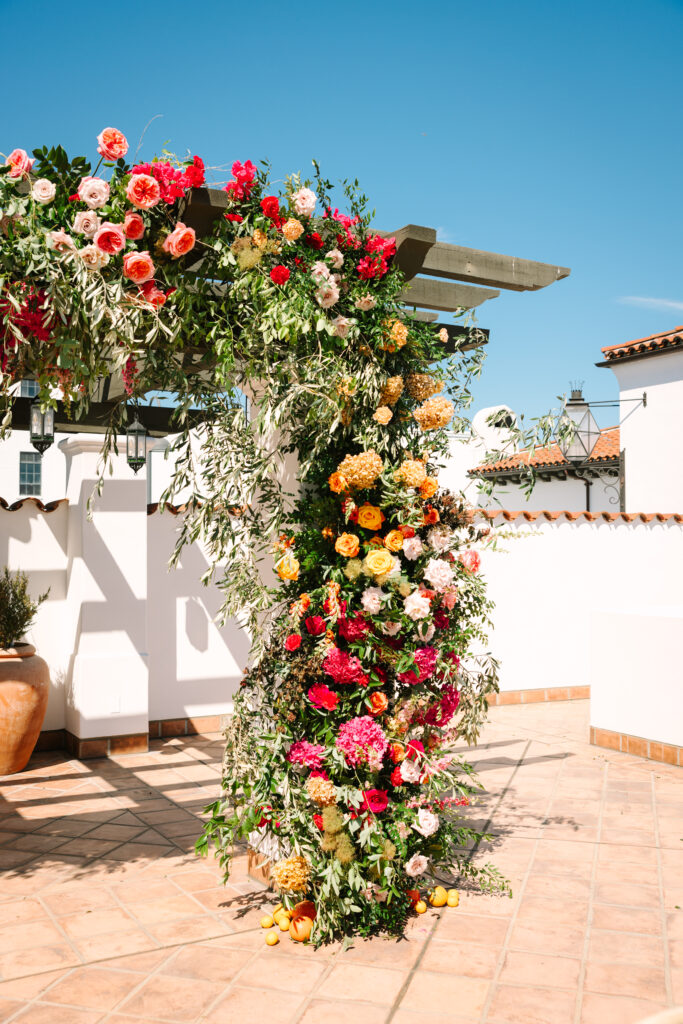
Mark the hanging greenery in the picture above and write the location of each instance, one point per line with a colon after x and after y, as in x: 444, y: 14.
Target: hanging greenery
x: 356, y: 575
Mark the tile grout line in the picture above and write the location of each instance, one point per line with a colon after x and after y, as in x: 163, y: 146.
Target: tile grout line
x: 591, y: 899
x: 411, y: 973
x: 493, y: 983
x: 662, y: 906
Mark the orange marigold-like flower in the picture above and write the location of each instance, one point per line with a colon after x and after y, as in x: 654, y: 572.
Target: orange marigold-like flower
x: 292, y: 229
x: 430, y: 516
x: 370, y: 517
x: 338, y: 483
x: 397, y: 752
x: 327, y: 532
x: 347, y: 544
x: 394, y: 540
x: 429, y: 487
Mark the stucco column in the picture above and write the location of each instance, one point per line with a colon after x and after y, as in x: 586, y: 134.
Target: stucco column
x: 107, y: 682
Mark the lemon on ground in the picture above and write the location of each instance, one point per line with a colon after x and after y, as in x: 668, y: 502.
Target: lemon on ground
x: 453, y: 898
x: 272, y: 939
x: 420, y: 907
x: 276, y: 910
x: 267, y: 921
x: 438, y: 896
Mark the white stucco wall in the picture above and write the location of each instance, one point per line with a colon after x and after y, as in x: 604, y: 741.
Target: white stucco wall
x: 652, y: 435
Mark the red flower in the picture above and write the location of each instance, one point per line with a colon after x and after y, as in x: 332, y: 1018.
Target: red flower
x: 355, y: 628
x: 407, y: 531
x: 321, y: 696
x: 270, y: 206
x: 234, y: 217
x: 194, y: 174
x: 396, y: 777
x: 375, y: 800
x: 264, y: 820
x: 441, y: 620
x: 314, y: 240
x: 318, y: 821
x: 152, y: 294
x: 315, y: 624
x: 293, y: 642
x: 414, y: 749
x: 279, y: 274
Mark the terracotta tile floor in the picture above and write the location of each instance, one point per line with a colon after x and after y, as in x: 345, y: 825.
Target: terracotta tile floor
x: 107, y: 916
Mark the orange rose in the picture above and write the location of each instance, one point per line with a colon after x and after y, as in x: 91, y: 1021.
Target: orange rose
x: 394, y: 540
x: 305, y: 602
x: 347, y: 544
x: 430, y: 517
x: 288, y: 567
x: 370, y: 517
x: 379, y: 562
x: 376, y: 541
x: 429, y: 487
x: 338, y: 483
x: 378, y: 703
x: 397, y: 752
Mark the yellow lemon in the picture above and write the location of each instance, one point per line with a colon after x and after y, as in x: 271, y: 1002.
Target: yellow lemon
x: 438, y: 896
x: 272, y: 939
x: 420, y: 907
x: 276, y: 910
x: 453, y: 898
x: 283, y: 922
x: 267, y: 921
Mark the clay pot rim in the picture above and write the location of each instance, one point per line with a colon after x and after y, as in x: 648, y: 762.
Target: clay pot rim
x: 20, y: 650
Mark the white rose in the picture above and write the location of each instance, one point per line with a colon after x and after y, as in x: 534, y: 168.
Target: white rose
x: 410, y: 771
x: 336, y: 257
x: 439, y: 574
x: 372, y: 600
x: 412, y: 548
x: 417, y: 865
x: 304, y: 202
x: 427, y: 822
x: 365, y: 302
x: 60, y: 241
x: 43, y: 191
x: 93, y: 257
x: 416, y: 606
x: 390, y: 628
x: 425, y: 632
x: 86, y: 223
x: 341, y: 326
x: 327, y: 294
x: 440, y: 538
x: 94, y: 192
x: 320, y: 272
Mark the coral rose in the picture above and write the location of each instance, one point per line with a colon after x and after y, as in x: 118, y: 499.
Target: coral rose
x: 338, y: 483
x: 19, y: 163
x: 378, y: 703
x: 379, y: 562
x: 370, y: 517
x: 348, y: 545
x: 138, y: 267
x: 43, y: 191
x: 112, y: 144
x: 288, y: 567
x: 110, y: 238
x: 133, y: 226
x: 180, y: 241
x: 143, y: 191
x: 152, y: 294
x: 471, y: 560
x: 394, y: 540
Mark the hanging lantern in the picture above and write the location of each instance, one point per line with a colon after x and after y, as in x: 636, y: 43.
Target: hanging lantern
x: 42, y: 427
x: 136, y: 445
x: 578, y: 447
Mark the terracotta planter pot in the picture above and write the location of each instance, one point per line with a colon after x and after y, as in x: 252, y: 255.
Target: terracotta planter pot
x: 24, y: 684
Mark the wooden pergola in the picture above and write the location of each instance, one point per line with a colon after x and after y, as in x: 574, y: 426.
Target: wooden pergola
x: 440, y: 278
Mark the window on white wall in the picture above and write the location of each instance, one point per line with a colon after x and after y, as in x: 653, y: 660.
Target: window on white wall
x: 29, y: 473
x: 28, y: 389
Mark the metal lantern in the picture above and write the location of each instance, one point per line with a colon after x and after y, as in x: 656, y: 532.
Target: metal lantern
x: 136, y: 445
x: 42, y: 427
x: 578, y: 447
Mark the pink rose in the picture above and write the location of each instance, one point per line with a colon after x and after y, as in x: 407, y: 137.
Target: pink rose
x: 94, y: 192
x: 110, y: 238
x: 449, y: 598
x: 143, y: 191
x: 152, y: 294
x: 86, y: 223
x: 471, y: 560
x: 43, y: 191
x: 138, y: 267
x: 304, y: 202
x: 20, y: 163
x: 60, y: 241
x: 180, y: 241
x: 365, y: 302
x: 112, y: 144
x: 133, y: 226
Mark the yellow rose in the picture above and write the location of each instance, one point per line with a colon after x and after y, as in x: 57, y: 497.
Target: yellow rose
x: 394, y: 540
x: 370, y: 517
x: 338, y: 483
x: 347, y: 544
x: 288, y: 567
x: 379, y: 562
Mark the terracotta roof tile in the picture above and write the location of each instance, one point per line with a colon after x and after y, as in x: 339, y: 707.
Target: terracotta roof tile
x: 606, y: 450
x: 653, y: 344
x: 51, y: 506
x: 590, y: 517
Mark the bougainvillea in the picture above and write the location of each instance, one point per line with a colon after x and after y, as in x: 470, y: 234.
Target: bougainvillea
x: 363, y: 667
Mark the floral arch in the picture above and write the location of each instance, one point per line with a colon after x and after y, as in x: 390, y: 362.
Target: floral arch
x: 338, y: 759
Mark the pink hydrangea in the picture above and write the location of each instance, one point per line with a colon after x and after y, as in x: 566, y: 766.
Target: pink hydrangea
x: 362, y: 741
x: 309, y: 754
x: 425, y: 662
x: 344, y: 668
x: 441, y: 713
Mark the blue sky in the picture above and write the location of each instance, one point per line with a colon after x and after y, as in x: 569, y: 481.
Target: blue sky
x: 540, y: 130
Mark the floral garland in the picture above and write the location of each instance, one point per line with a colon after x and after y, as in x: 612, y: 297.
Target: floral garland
x: 338, y: 754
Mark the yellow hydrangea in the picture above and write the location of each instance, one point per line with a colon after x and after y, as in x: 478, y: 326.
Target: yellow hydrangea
x: 411, y: 472
x: 361, y: 471
x: 292, y: 874
x: 434, y: 413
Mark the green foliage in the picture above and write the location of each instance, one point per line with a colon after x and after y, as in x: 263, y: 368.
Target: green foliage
x: 17, y: 609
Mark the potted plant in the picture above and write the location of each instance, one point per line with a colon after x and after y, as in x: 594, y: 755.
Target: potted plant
x: 24, y: 677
